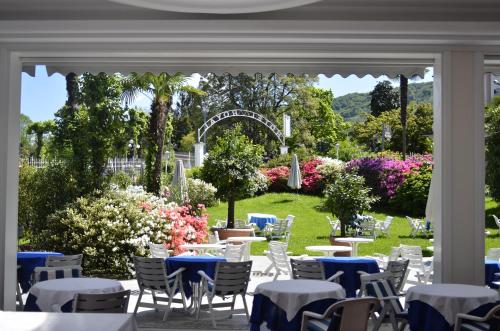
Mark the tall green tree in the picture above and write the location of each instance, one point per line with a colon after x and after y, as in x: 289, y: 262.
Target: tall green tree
x: 231, y: 166
x: 40, y: 130
x: 403, y: 92
x: 162, y: 89
x: 492, y: 124
x: 24, y: 139
x: 383, y: 98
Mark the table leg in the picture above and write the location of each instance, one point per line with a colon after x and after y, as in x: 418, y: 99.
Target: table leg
x: 354, y: 249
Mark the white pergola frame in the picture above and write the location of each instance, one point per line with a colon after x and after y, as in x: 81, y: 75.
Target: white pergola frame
x: 456, y: 50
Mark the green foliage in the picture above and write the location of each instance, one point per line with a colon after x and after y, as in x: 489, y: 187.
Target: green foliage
x: 348, y: 150
x: 201, y: 192
x: 383, y: 98
x: 230, y: 167
x: 194, y: 172
x: 411, y: 197
x: 42, y: 192
x: 346, y: 197
x: 355, y: 106
x: 106, y: 229
x: 419, y: 129
x: 492, y: 123
x: 40, y: 130
x: 121, y: 179
x: 25, y: 148
x: 187, y: 142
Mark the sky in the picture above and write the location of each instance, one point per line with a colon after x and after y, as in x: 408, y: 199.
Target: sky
x: 42, y: 96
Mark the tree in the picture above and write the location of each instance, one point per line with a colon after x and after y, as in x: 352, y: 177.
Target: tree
x: 24, y: 139
x: 40, y: 129
x: 162, y: 88
x: 383, y: 98
x: 403, y: 87
x: 492, y: 123
x: 231, y: 166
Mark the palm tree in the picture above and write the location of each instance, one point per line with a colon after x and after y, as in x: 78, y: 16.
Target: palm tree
x: 403, y: 94
x: 160, y: 88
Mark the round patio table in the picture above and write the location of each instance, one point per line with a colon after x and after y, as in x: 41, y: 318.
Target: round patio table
x: 354, y: 243
x: 434, y: 307
x: 261, y: 219
x: 247, y: 241
x: 57, y: 294
x: 491, y: 268
x: 28, y: 262
x: 350, y: 266
x: 329, y: 250
x: 203, y: 248
x: 280, y: 303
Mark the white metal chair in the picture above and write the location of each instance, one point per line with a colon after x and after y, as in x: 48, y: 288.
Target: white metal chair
x: 279, y: 258
x: 312, y: 269
x: 392, y: 309
x: 493, y: 254
x: 383, y: 260
x: 268, y: 254
x: 220, y: 224
x: 422, y: 269
x: 365, y: 278
x: 64, y: 260
x: 491, y: 321
x: 497, y: 222
x: 345, y: 315
x: 367, y: 228
x: 334, y: 225
x: 234, y: 253
x: 116, y: 302
x: 231, y: 279
x: 152, y: 275
x: 383, y: 226
x: 277, y: 230
x: 159, y: 250
x: 41, y: 274
x: 417, y: 226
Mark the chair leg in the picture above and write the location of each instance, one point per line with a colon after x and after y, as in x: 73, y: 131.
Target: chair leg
x: 167, y: 311
x: 138, y: 301
x: 154, y: 299
x: 211, y: 310
x: 232, y: 306
x: 19, y: 296
x: 246, y: 307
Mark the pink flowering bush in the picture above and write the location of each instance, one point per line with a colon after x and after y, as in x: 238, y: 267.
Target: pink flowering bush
x: 311, y: 177
x: 278, y: 178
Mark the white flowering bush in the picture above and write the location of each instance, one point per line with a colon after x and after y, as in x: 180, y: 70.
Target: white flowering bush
x: 110, y: 229
x: 330, y: 169
x: 259, y: 184
x: 201, y: 192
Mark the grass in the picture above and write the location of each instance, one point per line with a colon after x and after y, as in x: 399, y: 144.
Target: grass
x: 311, y: 228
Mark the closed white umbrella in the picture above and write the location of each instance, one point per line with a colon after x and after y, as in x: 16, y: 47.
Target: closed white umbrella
x: 179, y: 179
x: 430, y: 202
x: 294, y: 178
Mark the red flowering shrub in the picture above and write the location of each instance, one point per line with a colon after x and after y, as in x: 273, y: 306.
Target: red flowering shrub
x: 311, y: 178
x: 278, y: 178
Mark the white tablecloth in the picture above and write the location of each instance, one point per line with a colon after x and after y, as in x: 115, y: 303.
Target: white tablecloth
x: 28, y: 321
x: 52, y: 294
x: 451, y: 299
x: 292, y: 295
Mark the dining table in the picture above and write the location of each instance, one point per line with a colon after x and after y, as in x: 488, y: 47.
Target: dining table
x: 203, y: 249
x: 491, y: 267
x: 280, y: 303
x: 56, y: 295
x: 434, y: 307
x: 350, y: 266
x: 28, y: 261
x: 261, y: 220
x: 328, y: 250
x: 354, y: 241
x: 44, y: 321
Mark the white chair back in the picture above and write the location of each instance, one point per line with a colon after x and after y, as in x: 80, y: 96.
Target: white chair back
x: 279, y: 258
x: 159, y: 250
x: 234, y: 253
x: 64, y: 260
x: 334, y: 224
x: 41, y: 274
x: 493, y: 254
x: 497, y: 222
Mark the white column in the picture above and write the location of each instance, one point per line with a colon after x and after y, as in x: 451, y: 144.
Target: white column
x: 199, y: 154
x: 283, y: 150
x: 459, y: 168
x: 10, y: 92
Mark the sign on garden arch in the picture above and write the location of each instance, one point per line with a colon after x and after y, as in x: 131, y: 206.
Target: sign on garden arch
x: 240, y: 113
x: 202, y: 131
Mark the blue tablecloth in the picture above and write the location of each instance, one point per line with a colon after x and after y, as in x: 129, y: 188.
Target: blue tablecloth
x: 261, y: 219
x: 350, y: 266
x: 192, y: 265
x: 264, y: 310
x: 28, y: 262
x: 423, y: 317
x: 31, y: 305
x: 491, y: 267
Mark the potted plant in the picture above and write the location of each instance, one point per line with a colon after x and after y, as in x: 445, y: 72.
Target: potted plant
x: 346, y: 197
x: 231, y: 166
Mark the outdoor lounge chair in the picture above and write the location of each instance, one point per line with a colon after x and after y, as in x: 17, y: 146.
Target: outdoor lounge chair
x: 234, y: 253
x: 491, y: 321
x: 152, y: 275
x: 64, y: 260
x: 279, y: 258
x: 392, y: 310
x: 423, y: 270
x: 345, y: 315
x: 159, y: 250
x: 231, y: 279
x: 41, y: 274
x: 116, y: 302
x: 417, y: 226
x: 399, y: 273
x: 383, y: 260
x: 497, y: 222
x: 312, y: 269
x: 383, y: 226
x: 334, y: 224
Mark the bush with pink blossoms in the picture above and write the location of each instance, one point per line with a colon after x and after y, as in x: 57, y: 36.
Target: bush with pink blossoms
x: 278, y: 178
x: 311, y: 177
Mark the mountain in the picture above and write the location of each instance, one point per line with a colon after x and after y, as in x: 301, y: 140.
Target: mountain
x: 354, y: 106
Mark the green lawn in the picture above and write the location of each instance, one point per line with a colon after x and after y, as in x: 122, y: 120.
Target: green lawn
x: 311, y: 227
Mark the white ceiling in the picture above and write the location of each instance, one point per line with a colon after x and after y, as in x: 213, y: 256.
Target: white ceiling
x: 399, y: 10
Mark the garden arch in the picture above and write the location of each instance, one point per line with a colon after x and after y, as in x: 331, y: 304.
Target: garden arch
x: 240, y: 113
